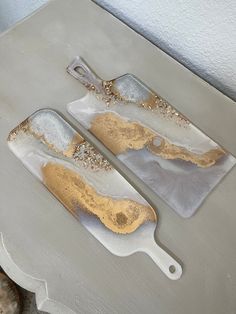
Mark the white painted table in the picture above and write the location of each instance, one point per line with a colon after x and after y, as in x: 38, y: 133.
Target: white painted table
x: 42, y: 247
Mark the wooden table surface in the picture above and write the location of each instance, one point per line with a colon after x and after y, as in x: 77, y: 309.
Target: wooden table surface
x: 42, y: 247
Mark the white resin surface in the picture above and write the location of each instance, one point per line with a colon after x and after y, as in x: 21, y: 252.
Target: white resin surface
x: 182, y: 185
x: 34, y: 153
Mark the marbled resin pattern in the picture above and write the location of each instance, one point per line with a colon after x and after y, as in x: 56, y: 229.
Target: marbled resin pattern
x: 89, y: 187
x: 179, y: 162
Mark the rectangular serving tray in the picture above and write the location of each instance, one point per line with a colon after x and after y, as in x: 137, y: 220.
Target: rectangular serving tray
x: 172, y: 156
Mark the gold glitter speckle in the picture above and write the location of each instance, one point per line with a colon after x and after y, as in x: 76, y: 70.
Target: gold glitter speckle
x: 22, y: 127
x: 154, y: 102
x: 158, y: 105
x: 90, y: 157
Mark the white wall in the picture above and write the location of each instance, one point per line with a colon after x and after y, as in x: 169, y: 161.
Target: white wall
x: 201, y: 34
x: 11, y: 11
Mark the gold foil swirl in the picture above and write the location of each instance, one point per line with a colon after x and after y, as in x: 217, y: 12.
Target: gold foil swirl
x: 119, y: 215
x: 167, y: 150
x: 120, y: 135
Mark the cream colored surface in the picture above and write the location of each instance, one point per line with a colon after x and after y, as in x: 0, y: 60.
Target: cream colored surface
x: 42, y: 246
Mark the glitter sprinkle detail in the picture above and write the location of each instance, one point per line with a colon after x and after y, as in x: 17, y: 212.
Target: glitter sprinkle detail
x: 78, y: 149
x: 90, y: 157
x: 154, y: 103
x: 22, y: 127
x: 157, y: 104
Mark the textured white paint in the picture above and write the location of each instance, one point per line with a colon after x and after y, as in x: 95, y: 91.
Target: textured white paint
x: 12, y: 11
x: 200, y: 34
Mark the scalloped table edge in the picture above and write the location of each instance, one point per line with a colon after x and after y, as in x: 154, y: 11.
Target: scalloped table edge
x: 30, y: 283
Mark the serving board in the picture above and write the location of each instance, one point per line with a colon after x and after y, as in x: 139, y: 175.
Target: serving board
x: 171, y: 155
x: 89, y: 187
x: 81, y: 275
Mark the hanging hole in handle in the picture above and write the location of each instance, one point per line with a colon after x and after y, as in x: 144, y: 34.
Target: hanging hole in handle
x: 172, y: 269
x: 81, y: 71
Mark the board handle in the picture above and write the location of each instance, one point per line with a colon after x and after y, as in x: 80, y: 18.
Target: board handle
x: 170, y: 267
x: 79, y: 69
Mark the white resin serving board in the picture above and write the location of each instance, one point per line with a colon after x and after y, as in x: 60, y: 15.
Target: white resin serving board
x: 176, y: 160
x: 89, y: 187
